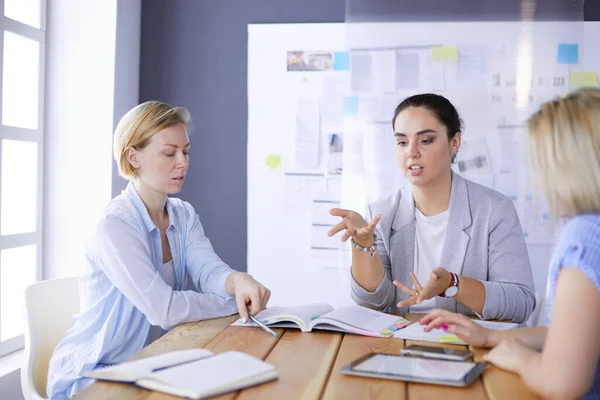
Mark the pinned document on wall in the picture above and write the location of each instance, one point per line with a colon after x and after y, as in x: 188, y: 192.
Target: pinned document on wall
x: 307, y: 133
x: 581, y: 79
x: 568, y: 53
x: 444, y: 53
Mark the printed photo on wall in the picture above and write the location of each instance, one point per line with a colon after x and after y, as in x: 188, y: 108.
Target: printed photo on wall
x: 309, y: 61
x: 336, y: 148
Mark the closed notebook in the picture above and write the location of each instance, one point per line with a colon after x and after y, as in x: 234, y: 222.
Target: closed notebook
x: 351, y: 319
x: 195, y: 373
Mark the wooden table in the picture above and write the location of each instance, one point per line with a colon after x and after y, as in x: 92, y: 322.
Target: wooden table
x: 308, y: 366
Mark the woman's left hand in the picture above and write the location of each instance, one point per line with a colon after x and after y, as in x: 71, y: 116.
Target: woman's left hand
x: 511, y: 355
x: 439, y: 280
x: 249, y: 294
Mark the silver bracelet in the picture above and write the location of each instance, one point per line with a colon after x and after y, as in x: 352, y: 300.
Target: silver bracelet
x: 371, y: 249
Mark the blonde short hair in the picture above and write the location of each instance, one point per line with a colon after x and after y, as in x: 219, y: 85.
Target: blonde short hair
x: 137, y: 127
x: 564, y: 144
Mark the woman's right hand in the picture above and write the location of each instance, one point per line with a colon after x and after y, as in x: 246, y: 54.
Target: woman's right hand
x: 355, y: 225
x: 458, y: 324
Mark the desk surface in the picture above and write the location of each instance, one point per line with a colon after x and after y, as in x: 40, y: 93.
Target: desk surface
x: 308, y: 366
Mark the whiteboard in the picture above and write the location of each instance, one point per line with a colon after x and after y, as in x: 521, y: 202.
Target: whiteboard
x: 319, y: 135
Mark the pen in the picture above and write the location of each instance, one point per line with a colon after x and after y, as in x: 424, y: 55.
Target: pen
x: 266, y: 328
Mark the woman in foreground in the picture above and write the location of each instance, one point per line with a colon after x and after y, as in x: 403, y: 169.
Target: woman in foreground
x: 561, y: 360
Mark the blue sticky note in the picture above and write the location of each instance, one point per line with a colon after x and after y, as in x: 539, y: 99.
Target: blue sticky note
x: 568, y: 53
x: 351, y: 105
x: 341, y: 61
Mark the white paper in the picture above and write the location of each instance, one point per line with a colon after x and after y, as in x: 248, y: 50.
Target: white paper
x: 384, y: 66
x: 320, y: 212
x: 307, y: 134
x: 431, y: 73
x: 361, y: 72
x: 335, y: 87
x: 300, y: 190
x: 408, y: 73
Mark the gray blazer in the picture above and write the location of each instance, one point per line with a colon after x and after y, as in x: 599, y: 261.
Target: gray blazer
x: 484, y: 241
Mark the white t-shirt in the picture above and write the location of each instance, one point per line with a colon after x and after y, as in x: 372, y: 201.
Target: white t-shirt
x: 429, y: 240
x: 168, y: 275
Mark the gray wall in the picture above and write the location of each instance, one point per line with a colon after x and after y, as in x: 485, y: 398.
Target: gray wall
x: 194, y: 54
x: 127, y: 69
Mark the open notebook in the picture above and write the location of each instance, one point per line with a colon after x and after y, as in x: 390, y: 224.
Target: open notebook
x: 194, y: 373
x: 352, y: 319
x: 416, y: 331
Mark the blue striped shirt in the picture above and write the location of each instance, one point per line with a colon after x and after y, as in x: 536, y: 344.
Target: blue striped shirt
x: 578, y: 247
x: 123, y: 293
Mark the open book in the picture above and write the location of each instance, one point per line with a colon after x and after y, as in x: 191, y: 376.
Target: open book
x: 351, y: 319
x: 194, y: 373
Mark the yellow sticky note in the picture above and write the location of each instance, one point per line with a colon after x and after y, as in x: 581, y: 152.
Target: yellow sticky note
x: 451, y: 339
x: 273, y: 161
x: 579, y: 79
x: 444, y: 53
x: 386, y: 332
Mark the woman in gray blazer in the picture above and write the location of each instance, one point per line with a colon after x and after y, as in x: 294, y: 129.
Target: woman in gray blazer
x: 442, y: 241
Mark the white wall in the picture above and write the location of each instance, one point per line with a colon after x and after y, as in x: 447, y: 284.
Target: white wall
x: 92, y: 78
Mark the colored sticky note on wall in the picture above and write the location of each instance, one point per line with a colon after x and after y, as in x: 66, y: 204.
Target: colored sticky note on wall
x: 273, y: 161
x: 351, y: 105
x: 444, y: 53
x: 341, y: 61
x: 568, y: 53
x: 579, y: 79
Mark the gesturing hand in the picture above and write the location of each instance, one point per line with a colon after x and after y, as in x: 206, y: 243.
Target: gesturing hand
x: 355, y: 225
x: 439, y: 280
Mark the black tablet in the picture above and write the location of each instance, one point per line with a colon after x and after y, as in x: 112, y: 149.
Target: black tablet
x: 394, y: 366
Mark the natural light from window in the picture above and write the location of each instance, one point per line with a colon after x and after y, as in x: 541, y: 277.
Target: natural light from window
x: 25, y: 11
x: 18, y: 200
x: 20, y: 78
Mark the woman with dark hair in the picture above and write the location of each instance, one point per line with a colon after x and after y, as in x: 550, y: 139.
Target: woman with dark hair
x: 459, y: 245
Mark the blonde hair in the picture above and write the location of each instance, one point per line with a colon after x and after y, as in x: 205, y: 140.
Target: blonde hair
x: 564, y: 145
x: 137, y: 127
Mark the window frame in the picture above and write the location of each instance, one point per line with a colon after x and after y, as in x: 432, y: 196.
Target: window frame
x: 30, y: 135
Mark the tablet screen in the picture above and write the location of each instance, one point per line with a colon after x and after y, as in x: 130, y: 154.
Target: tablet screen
x: 415, y: 367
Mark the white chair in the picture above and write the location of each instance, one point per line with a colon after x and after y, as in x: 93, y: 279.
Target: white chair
x: 50, y: 308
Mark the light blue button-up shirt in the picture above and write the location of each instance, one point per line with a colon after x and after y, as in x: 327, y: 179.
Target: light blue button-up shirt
x: 123, y: 294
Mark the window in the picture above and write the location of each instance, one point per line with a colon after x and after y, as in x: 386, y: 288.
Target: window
x: 22, y: 44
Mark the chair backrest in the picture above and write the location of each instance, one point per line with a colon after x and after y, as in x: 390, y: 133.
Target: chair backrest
x: 50, y: 307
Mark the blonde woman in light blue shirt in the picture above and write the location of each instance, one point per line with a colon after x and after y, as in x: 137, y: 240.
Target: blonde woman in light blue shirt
x: 143, y: 249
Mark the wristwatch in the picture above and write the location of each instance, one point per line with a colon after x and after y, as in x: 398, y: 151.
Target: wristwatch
x: 451, y: 290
